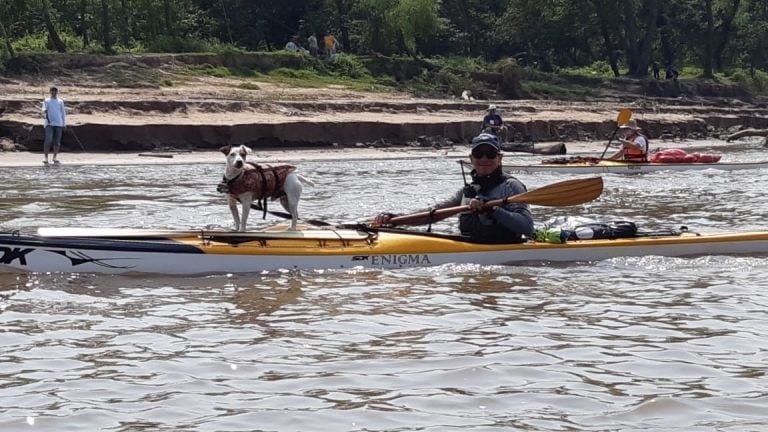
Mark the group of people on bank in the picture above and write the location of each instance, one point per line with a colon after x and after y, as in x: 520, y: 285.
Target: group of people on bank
x: 330, y: 44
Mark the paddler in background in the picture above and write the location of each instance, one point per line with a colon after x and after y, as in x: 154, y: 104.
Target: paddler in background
x: 509, y: 223
x: 493, y: 124
x: 634, y: 145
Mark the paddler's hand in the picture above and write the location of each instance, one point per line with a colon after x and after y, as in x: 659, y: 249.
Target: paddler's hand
x: 476, y: 205
x: 222, y: 187
x: 382, y: 219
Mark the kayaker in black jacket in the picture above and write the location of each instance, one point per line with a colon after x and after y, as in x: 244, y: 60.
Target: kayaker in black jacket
x: 500, y: 224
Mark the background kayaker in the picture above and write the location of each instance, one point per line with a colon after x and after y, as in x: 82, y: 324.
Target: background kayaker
x: 493, y: 124
x: 634, y: 145
x: 500, y: 224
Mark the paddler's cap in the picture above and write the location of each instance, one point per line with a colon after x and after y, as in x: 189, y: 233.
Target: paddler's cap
x: 631, y: 124
x: 486, y: 139
x: 491, y: 107
x: 52, y: 88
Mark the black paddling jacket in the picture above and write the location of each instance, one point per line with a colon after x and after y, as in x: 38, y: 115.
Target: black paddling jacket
x: 502, y: 224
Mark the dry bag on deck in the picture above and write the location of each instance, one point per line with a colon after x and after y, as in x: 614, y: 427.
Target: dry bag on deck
x: 562, y: 229
x: 603, y: 230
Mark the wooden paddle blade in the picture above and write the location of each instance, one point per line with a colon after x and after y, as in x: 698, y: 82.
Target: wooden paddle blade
x: 561, y: 194
x: 624, y: 116
x: 565, y: 193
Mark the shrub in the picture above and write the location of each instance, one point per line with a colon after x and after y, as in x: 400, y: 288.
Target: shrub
x: 348, y: 66
x: 168, y: 44
x: 511, y: 77
x: 755, y: 80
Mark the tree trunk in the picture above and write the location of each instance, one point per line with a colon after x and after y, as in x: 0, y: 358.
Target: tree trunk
x: 708, y: 37
x: 604, y: 22
x: 343, y: 11
x: 125, y: 24
x: 106, y: 27
x: 226, y: 22
x: 630, y: 19
x: 749, y: 132
x: 168, y: 18
x: 723, y: 34
x: 644, y: 56
x: 7, y: 40
x: 84, y: 23
x: 53, y: 35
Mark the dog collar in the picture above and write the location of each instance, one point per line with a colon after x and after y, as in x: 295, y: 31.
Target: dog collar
x: 233, y: 179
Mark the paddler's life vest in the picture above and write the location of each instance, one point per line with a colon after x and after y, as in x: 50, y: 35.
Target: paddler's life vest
x: 635, y: 154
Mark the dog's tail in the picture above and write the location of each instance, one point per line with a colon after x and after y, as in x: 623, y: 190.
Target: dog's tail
x: 304, y: 180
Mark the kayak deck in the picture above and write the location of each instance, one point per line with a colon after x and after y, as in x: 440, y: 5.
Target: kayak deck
x: 206, y: 252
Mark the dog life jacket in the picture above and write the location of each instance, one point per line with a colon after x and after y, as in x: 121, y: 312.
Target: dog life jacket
x: 264, y: 181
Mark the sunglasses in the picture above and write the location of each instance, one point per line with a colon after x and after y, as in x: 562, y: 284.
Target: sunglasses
x: 488, y: 154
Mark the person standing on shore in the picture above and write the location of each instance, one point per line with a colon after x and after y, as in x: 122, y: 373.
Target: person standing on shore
x: 330, y: 45
x: 55, y: 115
x: 313, y: 47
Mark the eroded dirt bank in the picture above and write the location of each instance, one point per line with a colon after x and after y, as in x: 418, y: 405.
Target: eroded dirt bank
x: 205, y: 113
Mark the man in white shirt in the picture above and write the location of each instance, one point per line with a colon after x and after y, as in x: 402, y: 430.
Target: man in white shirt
x: 55, y: 121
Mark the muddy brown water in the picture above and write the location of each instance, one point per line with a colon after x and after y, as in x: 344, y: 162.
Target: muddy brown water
x: 626, y: 344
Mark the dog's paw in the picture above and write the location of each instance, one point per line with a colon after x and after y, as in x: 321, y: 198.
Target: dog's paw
x: 222, y: 187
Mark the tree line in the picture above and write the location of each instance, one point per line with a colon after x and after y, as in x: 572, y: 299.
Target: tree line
x: 626, y: 36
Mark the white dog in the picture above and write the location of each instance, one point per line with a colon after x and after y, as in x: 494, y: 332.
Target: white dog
x: 247, y: 182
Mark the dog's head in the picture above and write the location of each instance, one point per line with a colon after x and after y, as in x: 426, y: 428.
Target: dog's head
x: 235, y: 155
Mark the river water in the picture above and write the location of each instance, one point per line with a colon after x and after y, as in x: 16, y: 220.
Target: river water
x: 626, y: 344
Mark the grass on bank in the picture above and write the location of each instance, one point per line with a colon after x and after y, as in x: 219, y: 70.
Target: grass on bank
x: 449, y: 77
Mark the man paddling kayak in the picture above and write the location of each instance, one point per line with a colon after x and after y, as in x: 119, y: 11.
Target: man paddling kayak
x: 634, y: 147
x: 500, y: 224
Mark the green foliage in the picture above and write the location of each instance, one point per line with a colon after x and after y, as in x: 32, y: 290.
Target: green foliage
x: 600, y: 68
x: 248, y: 86
x: 511, y: 77
x: 756, y: 80
x: 465, y: 63
x: 38, y: 42
x: 348, y: 66
x: 209, y: 70
x: 546, y: 90
x: 170, y: 44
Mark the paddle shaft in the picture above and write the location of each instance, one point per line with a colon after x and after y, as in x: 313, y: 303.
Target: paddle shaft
x: 623, y: 117
x: 284, y: 215
x: 565, y: 193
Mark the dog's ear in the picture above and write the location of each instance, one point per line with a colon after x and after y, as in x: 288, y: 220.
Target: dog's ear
x: 245, y: 150
x: 226, y: 149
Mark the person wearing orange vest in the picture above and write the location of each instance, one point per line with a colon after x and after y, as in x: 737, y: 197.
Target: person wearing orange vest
x: 331, y: 44
x: 634, y: 147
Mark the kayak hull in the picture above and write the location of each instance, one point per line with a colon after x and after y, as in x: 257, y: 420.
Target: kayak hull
x: 619, y: 167
x: 210, y: 252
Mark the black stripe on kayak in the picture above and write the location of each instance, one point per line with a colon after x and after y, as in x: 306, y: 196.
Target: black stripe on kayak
x: 133, y: 245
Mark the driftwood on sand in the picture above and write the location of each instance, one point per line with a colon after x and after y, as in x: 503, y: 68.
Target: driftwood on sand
x: 750, y: 132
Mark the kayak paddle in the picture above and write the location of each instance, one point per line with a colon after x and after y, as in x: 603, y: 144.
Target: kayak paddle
x: 624, y: 115
x: 560, y: 194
